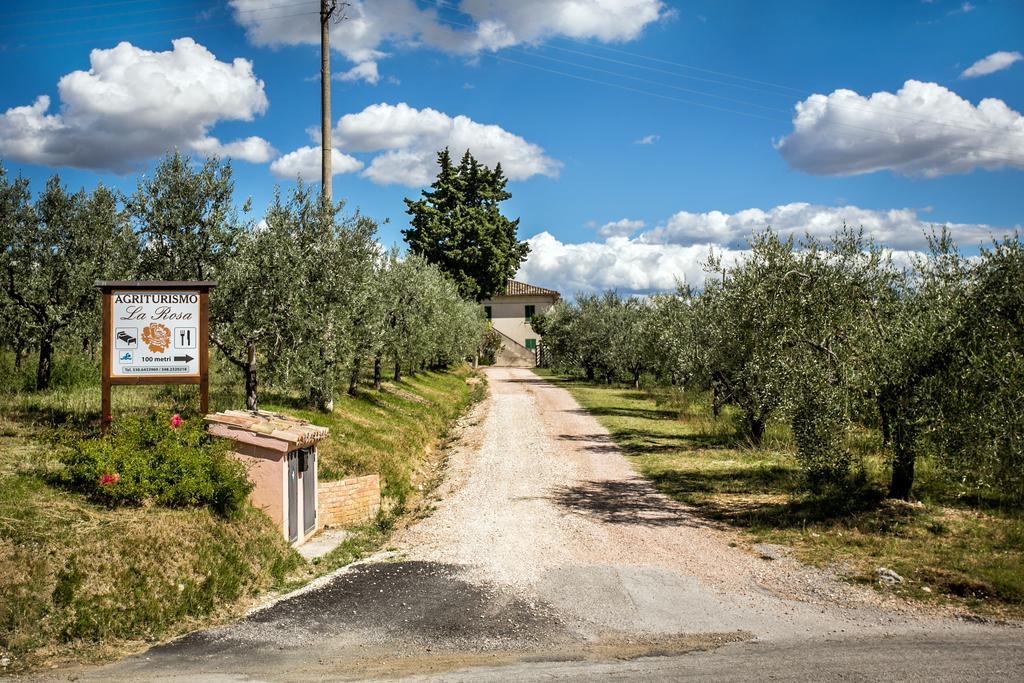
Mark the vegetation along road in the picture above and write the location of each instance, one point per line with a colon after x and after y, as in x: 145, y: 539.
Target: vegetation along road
x: 547, y: 556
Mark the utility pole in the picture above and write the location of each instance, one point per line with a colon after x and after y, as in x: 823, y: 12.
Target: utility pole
x: 327, y: 8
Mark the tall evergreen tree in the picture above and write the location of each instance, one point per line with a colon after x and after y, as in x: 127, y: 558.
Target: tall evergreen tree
x: 458, y: 225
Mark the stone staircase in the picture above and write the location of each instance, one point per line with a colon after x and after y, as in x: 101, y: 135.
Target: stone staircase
x: 512, y: 354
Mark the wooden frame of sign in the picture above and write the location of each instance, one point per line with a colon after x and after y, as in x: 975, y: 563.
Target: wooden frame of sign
x: 151, y: 329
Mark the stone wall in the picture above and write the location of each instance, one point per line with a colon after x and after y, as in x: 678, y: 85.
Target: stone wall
x: 348, y: 501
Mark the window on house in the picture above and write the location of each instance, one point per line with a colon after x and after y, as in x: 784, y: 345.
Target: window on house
x: 531, y: 344
x: 487, y: 312
x: 531, y: 311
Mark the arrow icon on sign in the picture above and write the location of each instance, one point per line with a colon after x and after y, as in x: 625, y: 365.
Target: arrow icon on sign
x: 184, y: 359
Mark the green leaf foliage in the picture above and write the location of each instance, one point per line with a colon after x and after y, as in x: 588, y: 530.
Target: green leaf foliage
x: 458, y: 225
x: 152, y: 459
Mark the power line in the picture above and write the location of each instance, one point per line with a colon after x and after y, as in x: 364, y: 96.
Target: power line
x: 912, y: 116
x: 51, y: 10
x: 120, y: 27
x: 636, y: 90
x: 890, y: 135
x: 164, y: 8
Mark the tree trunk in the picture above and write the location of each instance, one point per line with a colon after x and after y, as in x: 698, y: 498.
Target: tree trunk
x: 353, y: 378
x: 45, y: 368
x: 376, y: 372
x: 251, y: 400
x: 716, y: 400
x: 590, y: 373
x: 904, y: 454
x: 636, y: 380
x: 398, y: 372
x: 756, y: 430
x: 19, y: 354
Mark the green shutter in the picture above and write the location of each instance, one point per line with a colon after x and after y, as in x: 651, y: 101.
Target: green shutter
x: 487, y: 312
x: 531, y: 344
x: 531, y: 310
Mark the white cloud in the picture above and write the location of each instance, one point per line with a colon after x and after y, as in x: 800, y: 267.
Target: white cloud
x: 372, y: 27
x: 253, y: 149
x: 134, y: 104
x: 647, y: 140
x: 620, y: 228
x: 408, y: 140
x: 676, y: 250
x: 898, y: 228
x: 923, y: 129
x: 619, y: 263
x: 305, y: 162
x: 997, y: 61
x: 364, y: 71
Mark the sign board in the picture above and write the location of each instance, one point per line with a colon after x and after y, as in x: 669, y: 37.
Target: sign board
x: 156, y: 334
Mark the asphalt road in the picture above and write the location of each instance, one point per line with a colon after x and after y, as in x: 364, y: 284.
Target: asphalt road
x: 548, y: 558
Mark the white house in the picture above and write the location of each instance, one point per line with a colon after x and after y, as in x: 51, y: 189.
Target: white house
x: 510, y: 313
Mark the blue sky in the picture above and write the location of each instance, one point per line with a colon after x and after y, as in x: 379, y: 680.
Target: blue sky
x: 711, y: 86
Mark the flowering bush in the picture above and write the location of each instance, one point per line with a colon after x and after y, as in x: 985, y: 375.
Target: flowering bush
x: 156, y: 458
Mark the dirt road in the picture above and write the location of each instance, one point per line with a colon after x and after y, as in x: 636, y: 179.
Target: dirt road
x: 544, y: 548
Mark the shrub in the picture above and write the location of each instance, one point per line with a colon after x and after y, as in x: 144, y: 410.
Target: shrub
x: 160, y: 459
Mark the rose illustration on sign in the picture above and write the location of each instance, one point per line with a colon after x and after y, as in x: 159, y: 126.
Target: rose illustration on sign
x: 157, y: 337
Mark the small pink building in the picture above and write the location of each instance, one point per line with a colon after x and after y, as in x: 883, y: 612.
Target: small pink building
x: 280, y: 452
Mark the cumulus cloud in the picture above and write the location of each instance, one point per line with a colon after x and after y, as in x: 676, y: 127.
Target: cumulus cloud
x: 372, y: 27
x: 134, y: 104
x: 620, y: 228
x: 647, y: 140
x: 897, y: 228
x: 923, y: 129
x: 406, y: 141
x: 305, y: 162
x: 997, y: 61
x: 253, y: 149
x: 675, y: 251
x: 629, y: 265
x: 364, y: 71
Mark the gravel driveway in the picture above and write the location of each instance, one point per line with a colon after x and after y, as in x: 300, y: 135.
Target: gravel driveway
x: 545, y: 546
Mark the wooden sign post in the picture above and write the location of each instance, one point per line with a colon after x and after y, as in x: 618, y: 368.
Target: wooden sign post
x: 155, y: 332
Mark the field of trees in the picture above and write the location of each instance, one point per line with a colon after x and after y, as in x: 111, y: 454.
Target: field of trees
x: 831, y: 339
x: 820, y: 396
x: 305, y: 298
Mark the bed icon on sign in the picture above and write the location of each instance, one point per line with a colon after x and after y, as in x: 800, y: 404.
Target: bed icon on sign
x: 126, y: 338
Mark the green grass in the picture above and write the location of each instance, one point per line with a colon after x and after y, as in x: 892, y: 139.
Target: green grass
x: 391, y: 432
x: 948, y: 552
x: 82, y: 582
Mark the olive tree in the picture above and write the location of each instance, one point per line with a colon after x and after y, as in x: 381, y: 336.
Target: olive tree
x: 53, y: 252
x: 253, y: 309
x: 740, y: 329
x: 186, y: 218
x: 336, y: 255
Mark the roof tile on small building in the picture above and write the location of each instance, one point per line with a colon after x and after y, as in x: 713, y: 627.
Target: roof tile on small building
x: 516, y: 288
x: 274, y: 425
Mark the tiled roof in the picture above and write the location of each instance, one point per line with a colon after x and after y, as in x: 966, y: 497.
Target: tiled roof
x: 516, y: 288
x: 275, y: 425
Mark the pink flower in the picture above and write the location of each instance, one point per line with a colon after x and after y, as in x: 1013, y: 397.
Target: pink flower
x: 176, y: 421
x: 110, y: 478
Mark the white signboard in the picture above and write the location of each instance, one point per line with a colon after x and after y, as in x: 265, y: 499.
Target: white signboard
x: 155, y: 334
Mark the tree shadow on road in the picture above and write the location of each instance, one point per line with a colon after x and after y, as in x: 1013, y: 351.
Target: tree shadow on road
x: 631, y: 502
